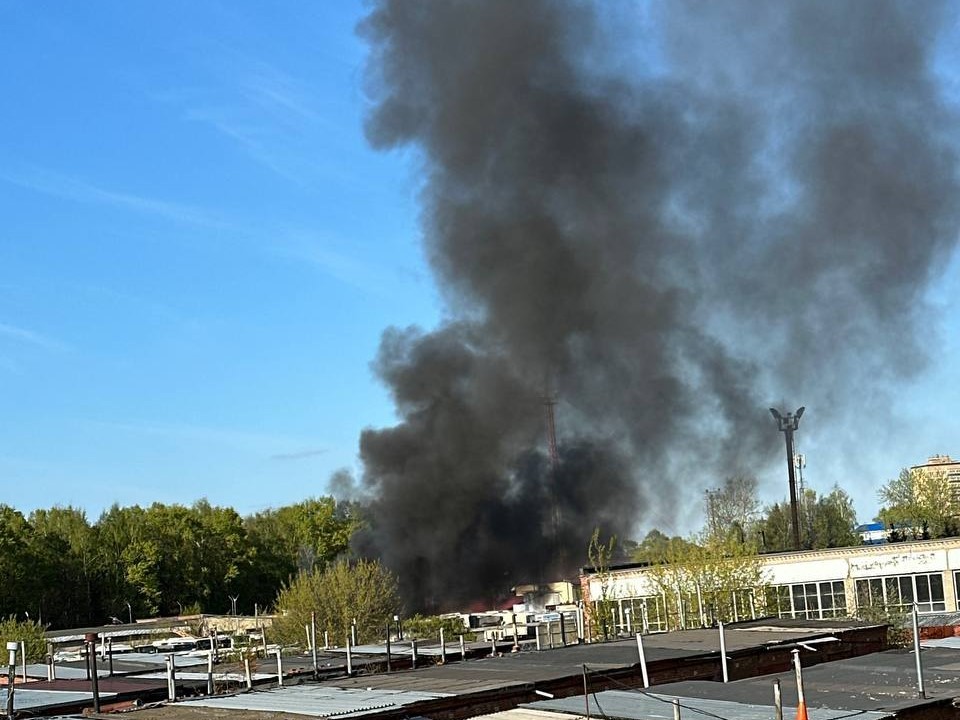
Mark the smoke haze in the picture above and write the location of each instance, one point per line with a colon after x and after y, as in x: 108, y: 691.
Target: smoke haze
x: 673, y: 217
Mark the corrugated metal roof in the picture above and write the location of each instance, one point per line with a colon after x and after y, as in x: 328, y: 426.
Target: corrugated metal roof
x: 64, y: 672
x: 652, y: 706
x: 317, y: 701
x: 401, y: 649
x: 32, y: 699
x: 217, y: 676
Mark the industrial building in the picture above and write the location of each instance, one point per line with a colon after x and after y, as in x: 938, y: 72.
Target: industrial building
x: 812, y: 584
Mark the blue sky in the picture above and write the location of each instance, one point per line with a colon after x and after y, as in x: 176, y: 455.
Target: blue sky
x: 199, y: 251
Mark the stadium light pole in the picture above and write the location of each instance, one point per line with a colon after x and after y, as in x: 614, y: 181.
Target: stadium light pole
x: 788, y: 424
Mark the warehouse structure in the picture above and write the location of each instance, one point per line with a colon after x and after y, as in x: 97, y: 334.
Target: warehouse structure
x: 814, y: 584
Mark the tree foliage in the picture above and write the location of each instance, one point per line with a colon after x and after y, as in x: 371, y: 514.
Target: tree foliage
x: 732, y: 508
x: 345, y: 592
x: 657, y: 547
x: 715, y: 579
x: 61, y: 569
x: 29, y: 632
x: 919, y: 504
x: 825, y: 521
x: 599, y: 555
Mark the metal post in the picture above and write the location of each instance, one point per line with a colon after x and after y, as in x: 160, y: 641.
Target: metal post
x: 388, y: 647
x: 91, y: 639
x: 463, y: 648
x: 326, y: 640
x: 313, y: 643
x: 550, y: 634
x: 51, y: 663
x: 413, y: 653
x: 628, y: 612
x: 580, y: 632
x: 215, y: 645
x: 777, y: 701
x: 645, y: 618
x: 349, y: 658
x: 247, y: 675
x: 11, y: 676
x: 110, y: 656
x: 916, y: 651
x: 563, y: 631
x: 787, y: 425
x: 723, y: 652
x: 210, y: 673
x: 23, y: 659
x: 306, y: 632
x: 516, y: 634
x: 676, y: 709
x: 493, y: 646
x: 801, y: 701
x: 263, y: 638
x: 643, y: 661
x: 703, y: 615
x: 536, y: 635
x: 279, y: 667
x: 443, y: 648
x: 171, y: 680
x: 353, y: 632
x: 586, y: 697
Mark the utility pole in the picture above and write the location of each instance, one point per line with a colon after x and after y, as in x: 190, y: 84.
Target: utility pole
x: 788, y: 425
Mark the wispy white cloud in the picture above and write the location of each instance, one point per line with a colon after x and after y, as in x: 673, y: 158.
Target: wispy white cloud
x: 273, y: 117
x: 265, y: 445
x: 72, y: 188
x: 366, y: 276
x: 300, y: 455
x: 31, y: 338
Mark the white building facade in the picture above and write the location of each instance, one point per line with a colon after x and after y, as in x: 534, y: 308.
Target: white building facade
x: 817, y: 584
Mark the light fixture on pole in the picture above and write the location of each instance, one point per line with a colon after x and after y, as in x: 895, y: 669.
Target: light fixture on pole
x: 788, y: 424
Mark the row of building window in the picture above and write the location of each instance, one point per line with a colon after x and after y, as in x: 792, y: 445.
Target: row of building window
x: 815, y: 600
x: 828, y: 599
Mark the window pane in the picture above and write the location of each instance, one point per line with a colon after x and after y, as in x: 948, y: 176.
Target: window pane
x: 936, y: 587
x: 923, y: 589
x: 891, y: 591
x: 906, y: 590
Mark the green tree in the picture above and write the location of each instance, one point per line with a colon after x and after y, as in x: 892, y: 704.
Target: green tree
x: 65, y: 543
x: 301, y: 537
x: 732, y: 508
x: 922, y: 503
x: 599, y: 555
x: 29, y: 632
x: 716, y: 579
x: 656, y: 547
x: 362, y: 591
x: 825, y: 522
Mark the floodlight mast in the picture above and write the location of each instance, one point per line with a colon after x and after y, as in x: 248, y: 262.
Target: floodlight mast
x: 788, y: 424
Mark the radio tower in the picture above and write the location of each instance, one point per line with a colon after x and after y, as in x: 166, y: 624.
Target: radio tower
x: 549, y: 402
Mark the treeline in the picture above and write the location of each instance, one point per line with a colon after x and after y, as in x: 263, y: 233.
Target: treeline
x: 136, y: 562
x: 734, y: 517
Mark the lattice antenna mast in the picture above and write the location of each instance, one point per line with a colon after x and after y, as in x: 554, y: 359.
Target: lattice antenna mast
x: 549, y: 403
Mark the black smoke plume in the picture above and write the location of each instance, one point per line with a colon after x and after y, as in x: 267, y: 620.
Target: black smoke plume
x: 673, y: 216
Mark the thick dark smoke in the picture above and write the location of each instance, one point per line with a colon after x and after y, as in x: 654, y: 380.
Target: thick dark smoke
x: 671, y: 228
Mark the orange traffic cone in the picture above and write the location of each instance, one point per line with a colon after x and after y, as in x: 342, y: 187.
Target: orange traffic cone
x: 802, y: 711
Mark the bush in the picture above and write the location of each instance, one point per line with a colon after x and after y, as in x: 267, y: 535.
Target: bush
x: 29, y: 632
x: 364, y: 591
x: 427, y: 627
